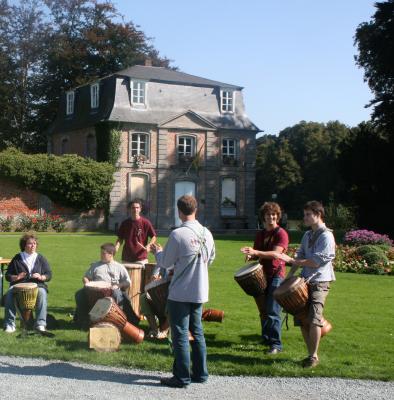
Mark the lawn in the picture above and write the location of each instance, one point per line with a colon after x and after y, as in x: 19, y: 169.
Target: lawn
x: 360, y: 307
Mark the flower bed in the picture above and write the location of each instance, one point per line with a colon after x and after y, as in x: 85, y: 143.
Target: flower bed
x: 38, y: 223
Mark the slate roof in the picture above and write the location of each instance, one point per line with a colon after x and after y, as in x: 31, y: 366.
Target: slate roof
x: 162, y: 74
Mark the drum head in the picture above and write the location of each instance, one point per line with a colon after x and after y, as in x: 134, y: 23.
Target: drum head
x: 27, y: 285
x: 289, y: 285
x: 132, y: 265
x: 98, y: 285
x: 100, y: 309
x: 247, y: 269
x: 154, y: 284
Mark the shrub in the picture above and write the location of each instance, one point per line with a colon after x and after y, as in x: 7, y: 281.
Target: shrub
x: 368, y: 248
x: 338, y: 216
x: 375, y: 257
x: 363, y: 236
x: 6, y: 224
x: 39, y: 223
x: 70, y: 180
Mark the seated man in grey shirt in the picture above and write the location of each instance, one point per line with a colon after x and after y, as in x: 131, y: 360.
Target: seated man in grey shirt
x: 315, y: 256
x: 105, y: 270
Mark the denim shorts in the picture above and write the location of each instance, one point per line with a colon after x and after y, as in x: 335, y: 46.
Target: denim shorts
x: 318, y: 292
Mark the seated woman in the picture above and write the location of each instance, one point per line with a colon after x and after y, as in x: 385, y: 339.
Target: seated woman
x: 105, y: 270
x: 28, y: 266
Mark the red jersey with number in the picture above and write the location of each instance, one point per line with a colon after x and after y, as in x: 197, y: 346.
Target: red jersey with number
x: 135, y: 234
x: 266, y: 241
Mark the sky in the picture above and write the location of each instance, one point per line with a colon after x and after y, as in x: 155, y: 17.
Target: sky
x: 294, y: 58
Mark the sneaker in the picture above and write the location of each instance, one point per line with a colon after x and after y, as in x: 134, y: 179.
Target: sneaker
x: 40, y: 328
x: 310, y: 362
x: 272, y: 351
x: 172, y: 382
x: 162, y: 335
x: 9, y: 329
x: 152, y: 334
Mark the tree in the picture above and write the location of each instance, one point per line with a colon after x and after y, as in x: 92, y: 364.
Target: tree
x: 375, y: 42
x: 48, y: 46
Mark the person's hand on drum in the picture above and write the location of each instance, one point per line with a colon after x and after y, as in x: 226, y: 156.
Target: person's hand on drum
x: 37, y: 276
x: 155, y: 248
x: 284, y: 257
x: 18, y: 277
x: 250, y: 252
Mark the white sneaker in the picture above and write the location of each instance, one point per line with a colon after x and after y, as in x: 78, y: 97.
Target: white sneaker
x: 10, y: 329
x: 40, y: 328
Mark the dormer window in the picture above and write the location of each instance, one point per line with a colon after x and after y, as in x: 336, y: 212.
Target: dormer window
x: 138, y: 94
x: 227, y: 101
x: 70, y: 102
x: 94, y: 95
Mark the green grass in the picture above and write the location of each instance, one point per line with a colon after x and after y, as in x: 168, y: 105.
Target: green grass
x: 360, y: 307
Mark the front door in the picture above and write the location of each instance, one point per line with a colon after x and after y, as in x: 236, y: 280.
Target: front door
x: 182, y: 188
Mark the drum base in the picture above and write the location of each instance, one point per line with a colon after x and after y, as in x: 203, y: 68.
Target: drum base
x: 104, y: 338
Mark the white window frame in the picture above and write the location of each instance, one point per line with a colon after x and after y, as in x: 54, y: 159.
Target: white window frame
x: 94, y: 95
x: 70, y: 99
x: 226, y: 149
x: 139, y: 88
x: 138, y: 141
x: 227, y: 100
x: 192, y: 146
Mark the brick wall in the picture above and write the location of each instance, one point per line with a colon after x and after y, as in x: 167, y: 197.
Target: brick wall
x: 16, y: 200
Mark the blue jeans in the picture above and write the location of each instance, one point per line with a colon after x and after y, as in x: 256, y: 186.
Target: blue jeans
x: 185, y: 316
x: 41, y: 308
x: 271, y: 327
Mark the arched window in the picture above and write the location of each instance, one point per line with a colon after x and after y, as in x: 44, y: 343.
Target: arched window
x: 228, y: 205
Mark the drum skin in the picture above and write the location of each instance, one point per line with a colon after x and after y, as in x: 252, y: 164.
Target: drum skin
x: 106, y: 310
x: 97, y: 290
x: 252, y: 280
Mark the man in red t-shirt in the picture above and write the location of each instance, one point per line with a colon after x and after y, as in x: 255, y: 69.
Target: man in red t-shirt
x: 135, y: 232
x: 268, y: 245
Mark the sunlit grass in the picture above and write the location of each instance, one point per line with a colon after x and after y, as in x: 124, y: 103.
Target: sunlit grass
x: 360, y: 307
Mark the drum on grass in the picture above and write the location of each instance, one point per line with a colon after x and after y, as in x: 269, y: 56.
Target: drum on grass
x: 157, y: 294
x: 25, y: 295
x: 252, y: 280
x: 106, y: 310
x: 104, y: 336
x: 135, y: 272
x: 211, y: 314
x: 97, y: 290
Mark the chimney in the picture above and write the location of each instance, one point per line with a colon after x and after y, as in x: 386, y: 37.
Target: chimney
x: 148, y: 62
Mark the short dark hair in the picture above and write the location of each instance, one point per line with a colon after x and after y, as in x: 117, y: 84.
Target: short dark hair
x: 135, y: 201
x: 108, y: 248
x: 316, y: 207
x: 187, y: 204
x: 270, y: 207
x: 23, y: 240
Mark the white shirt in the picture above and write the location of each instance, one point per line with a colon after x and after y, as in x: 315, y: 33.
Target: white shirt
x: 29, y: 260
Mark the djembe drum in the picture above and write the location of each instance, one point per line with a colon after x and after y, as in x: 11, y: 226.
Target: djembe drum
x: 25, y: 296
x: 252, y: 280
x: 157, y: 294
x: 147, y: 274
x: 135, y: 271
x: 97, y: 290
x: 211, y: 314
x: 293, y: 296
x: 106, y: 310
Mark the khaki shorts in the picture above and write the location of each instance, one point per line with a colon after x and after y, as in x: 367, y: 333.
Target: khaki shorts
x: 317, y: 297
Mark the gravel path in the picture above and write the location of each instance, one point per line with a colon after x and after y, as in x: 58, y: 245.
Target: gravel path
x: 25, y: 378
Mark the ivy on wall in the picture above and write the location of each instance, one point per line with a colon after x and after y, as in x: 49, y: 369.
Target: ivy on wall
x: 71, y: 180
x: 108, y: 139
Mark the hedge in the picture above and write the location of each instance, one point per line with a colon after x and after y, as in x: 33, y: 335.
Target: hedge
x: 70, y: 180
